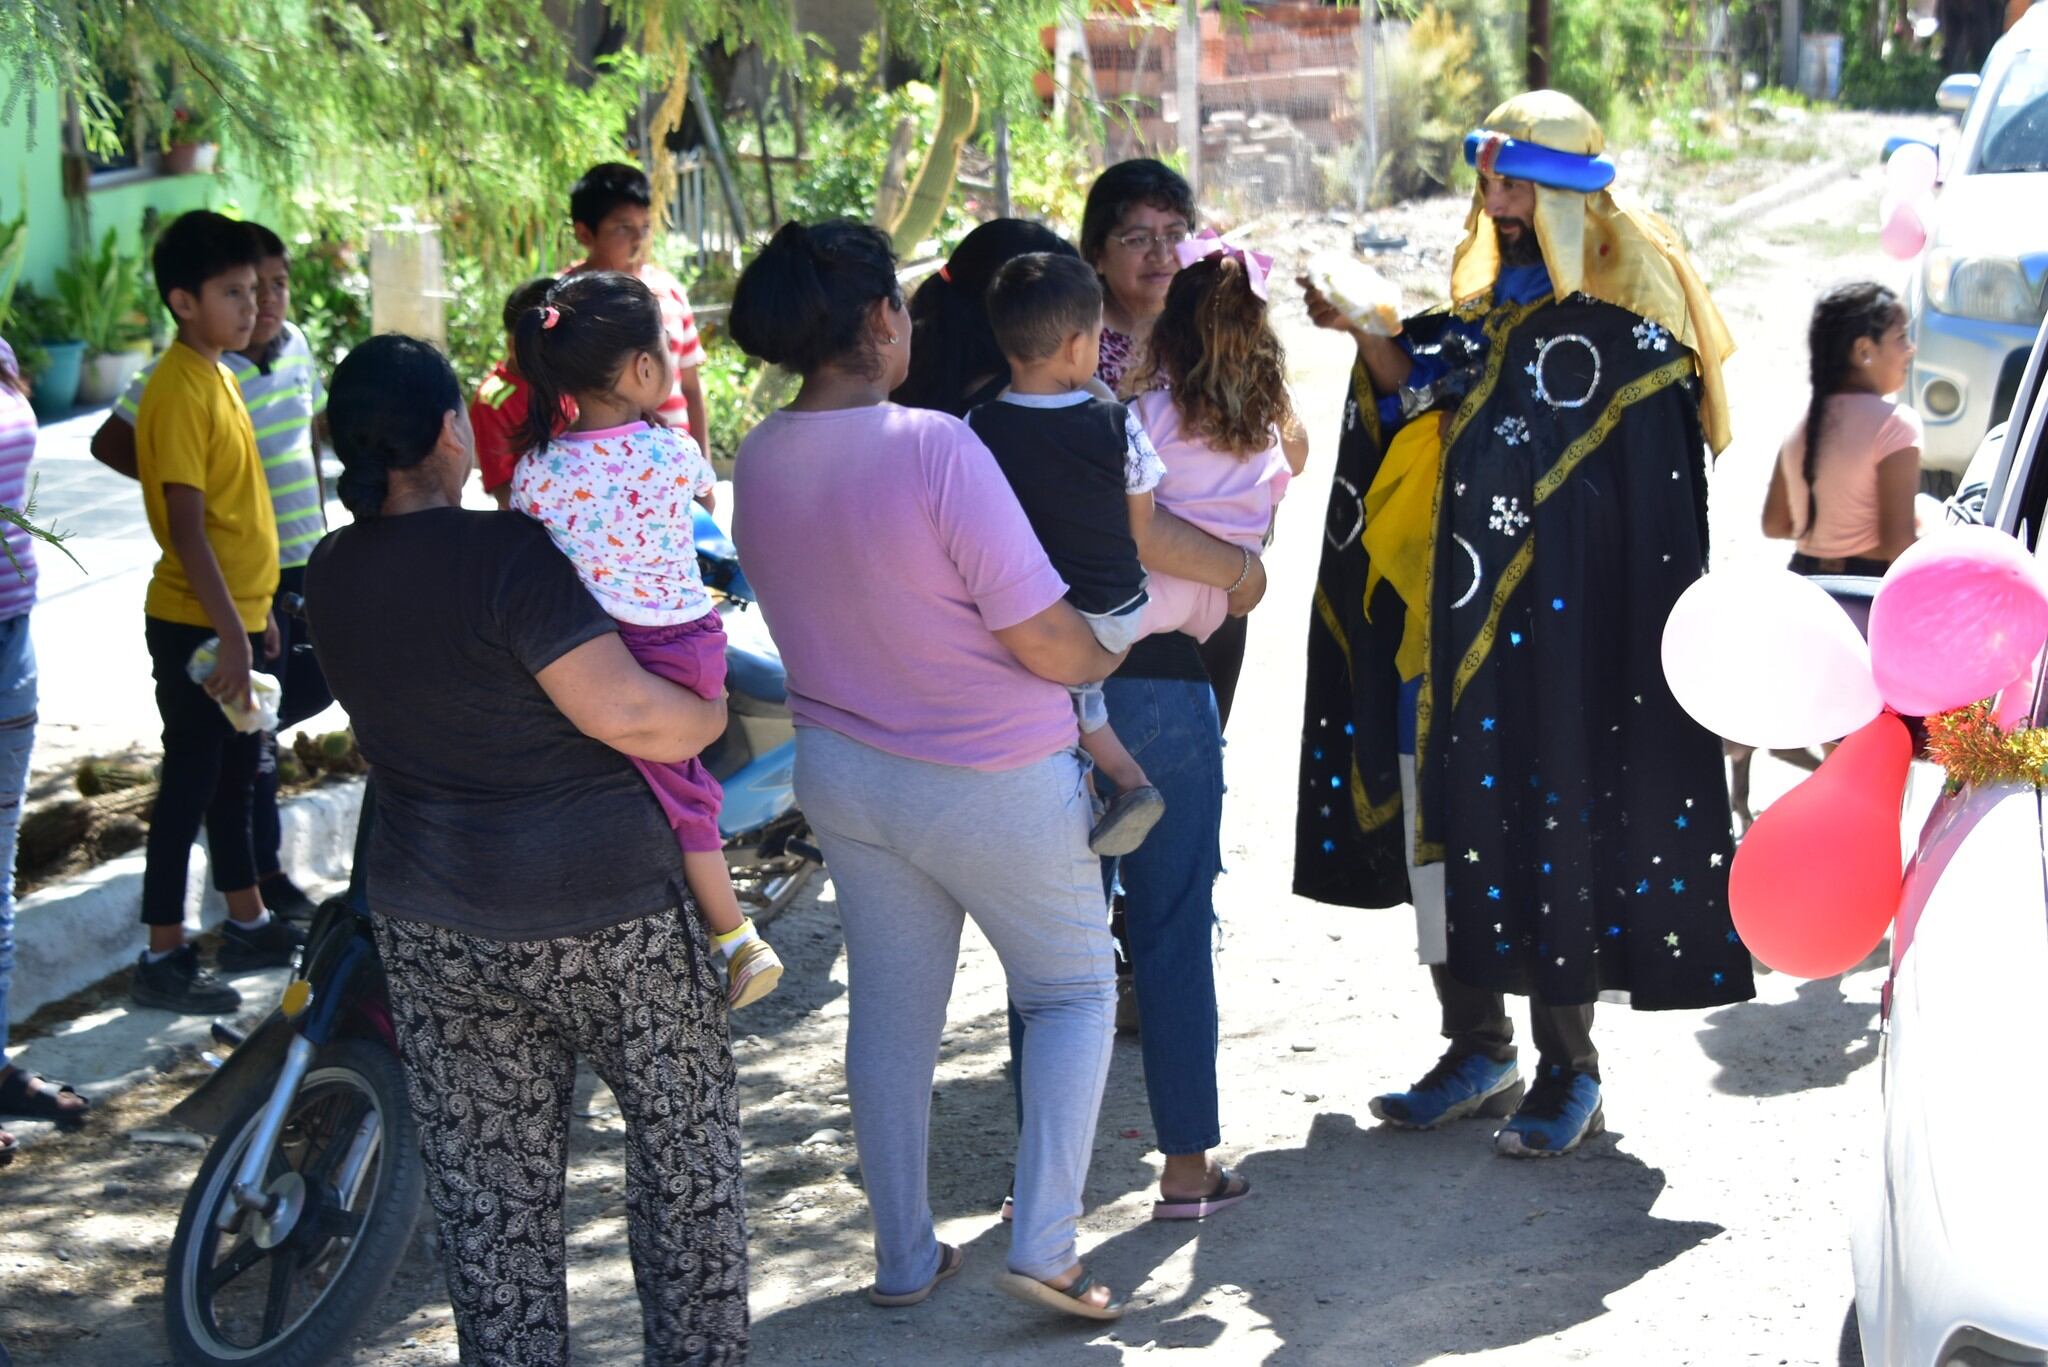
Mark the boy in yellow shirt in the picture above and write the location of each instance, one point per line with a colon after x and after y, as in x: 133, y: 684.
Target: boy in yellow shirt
x: 210, y: 510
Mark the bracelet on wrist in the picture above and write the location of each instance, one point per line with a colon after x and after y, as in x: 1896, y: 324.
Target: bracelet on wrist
x: 1242, y: 574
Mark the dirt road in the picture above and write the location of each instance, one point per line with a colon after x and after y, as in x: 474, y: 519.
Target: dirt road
x: 1707, y: 1227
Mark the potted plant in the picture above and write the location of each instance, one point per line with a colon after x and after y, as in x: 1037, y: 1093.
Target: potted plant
x: 190, y: 144
x: 48, y: 348
x: 102, y: 296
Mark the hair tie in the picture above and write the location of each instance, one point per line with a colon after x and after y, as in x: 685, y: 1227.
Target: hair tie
x: 549, y: 316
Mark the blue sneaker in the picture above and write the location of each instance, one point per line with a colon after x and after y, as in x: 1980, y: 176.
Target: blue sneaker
x: 1459, y: 1085
x: 1563, y: 1108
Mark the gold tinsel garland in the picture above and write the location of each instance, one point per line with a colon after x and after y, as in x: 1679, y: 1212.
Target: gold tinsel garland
x: 1974, y: 749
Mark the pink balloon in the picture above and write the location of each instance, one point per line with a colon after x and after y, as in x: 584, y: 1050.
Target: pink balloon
x: 1902, y: 229
x: 1912, y: 170
x: 1960, y: 615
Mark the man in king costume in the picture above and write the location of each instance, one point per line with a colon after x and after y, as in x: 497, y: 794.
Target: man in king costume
x: 1520, y: 497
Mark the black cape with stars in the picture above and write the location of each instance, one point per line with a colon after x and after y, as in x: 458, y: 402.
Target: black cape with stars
x: 1347, y: 832
x: 1582, y: 815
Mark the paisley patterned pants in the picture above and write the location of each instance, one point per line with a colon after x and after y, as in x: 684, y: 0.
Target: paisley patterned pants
x: 491, y: 1031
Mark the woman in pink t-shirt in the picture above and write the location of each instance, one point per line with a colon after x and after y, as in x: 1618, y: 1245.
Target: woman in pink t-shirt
x: 1846, y: 478
x: 928, y: 644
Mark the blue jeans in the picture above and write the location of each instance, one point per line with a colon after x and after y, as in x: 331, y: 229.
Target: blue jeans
x: 17, y: 736
x: 1170, y: 727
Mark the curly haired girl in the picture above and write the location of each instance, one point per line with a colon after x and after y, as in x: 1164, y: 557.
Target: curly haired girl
x: 1219, y: 421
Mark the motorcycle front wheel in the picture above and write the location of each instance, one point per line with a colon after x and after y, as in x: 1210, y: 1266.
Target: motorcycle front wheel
x: 290, y: 1291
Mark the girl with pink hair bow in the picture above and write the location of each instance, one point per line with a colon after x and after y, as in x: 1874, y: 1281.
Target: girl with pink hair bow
x: 1211, y: 392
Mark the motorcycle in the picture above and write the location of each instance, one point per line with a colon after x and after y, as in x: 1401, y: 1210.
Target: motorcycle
x: 308, y: 1197
x: 767, y: 843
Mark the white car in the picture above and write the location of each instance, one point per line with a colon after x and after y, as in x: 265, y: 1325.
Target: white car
x: 1951, y: 1247
x: 1978, y: 291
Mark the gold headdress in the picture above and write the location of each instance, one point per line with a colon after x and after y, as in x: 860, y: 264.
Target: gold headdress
x: 1614, y: 250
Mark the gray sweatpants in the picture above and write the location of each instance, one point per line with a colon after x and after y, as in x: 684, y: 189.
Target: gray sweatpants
x: 910, y: 847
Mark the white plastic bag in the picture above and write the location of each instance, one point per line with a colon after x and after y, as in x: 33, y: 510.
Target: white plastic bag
x: 1368, y: 299
x: 264, y: 692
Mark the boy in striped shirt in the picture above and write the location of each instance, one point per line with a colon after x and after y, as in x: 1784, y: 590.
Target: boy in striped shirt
x: 281, y: 388
x: 613, y: 214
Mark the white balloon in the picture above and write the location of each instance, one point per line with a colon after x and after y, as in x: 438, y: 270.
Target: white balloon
x: 1913, y: 170
x: 1766, y: 658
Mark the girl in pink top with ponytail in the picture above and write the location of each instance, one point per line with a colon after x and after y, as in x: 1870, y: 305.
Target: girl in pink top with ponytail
x: 1846, y: 478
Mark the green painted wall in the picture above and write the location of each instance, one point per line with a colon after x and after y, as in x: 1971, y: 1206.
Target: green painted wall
x: 38, y: 172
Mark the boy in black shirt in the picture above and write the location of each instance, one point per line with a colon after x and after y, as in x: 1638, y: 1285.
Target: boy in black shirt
x: 1084, y: 472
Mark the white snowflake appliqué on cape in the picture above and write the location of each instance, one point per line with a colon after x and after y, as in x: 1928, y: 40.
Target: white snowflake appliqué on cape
x: 1513, y: 431
x: 1650, y: 337
x: 1508, y: 517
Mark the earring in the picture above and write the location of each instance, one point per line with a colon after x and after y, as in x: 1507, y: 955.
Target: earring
x: 892, y: 339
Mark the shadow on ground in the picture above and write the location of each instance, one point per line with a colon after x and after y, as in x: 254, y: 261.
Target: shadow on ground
x: 1816, y: 1040
x: 1364, y: 1249
x: 1361, y: 1245
x: 89, y: 1216
x: 1381, y: 1259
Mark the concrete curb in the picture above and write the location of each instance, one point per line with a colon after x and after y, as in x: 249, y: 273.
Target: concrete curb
x: 70, y: 936
x: 1771, y: 197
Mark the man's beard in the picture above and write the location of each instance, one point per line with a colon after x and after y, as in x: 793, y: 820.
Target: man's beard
x: 1521, y: 249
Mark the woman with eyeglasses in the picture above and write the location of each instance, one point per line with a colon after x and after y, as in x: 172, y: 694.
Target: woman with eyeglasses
x: 1138, y: 211
x: 1161, y: 701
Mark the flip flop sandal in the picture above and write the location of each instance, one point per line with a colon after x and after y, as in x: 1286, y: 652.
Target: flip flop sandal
x: 951, y: 1260
x: 1228, y: 1191
x: 22, y: 1098
x: 1068, y: 1300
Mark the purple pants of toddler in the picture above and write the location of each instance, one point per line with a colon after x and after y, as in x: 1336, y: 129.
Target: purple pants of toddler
x: 691, y: 654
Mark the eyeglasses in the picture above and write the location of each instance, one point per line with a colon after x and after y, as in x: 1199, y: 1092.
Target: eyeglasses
x: 1138, y: 240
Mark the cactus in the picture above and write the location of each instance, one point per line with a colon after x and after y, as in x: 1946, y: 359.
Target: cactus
x: 958, y: 108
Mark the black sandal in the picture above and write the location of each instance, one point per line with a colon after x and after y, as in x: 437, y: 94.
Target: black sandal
x: 20, y: 1096
x: 1067, y: 1300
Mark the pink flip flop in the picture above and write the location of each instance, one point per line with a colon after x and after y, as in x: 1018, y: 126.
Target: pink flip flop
x: 1230, y: 1188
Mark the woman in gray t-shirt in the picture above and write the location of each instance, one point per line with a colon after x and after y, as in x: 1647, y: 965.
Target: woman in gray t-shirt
x: 528, y: 896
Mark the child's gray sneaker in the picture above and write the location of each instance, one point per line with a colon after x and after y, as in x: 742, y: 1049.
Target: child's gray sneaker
x: 1127, y: 820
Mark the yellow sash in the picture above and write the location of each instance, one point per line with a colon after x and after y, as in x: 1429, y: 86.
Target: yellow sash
x: 1399, y: 510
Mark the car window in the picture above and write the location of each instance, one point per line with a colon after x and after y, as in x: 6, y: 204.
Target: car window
x: 2016, y: 127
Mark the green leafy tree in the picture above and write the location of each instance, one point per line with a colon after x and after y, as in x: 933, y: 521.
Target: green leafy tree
x: 475, y: 114
x: 1604, y: 50
x: 1436, y: 93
